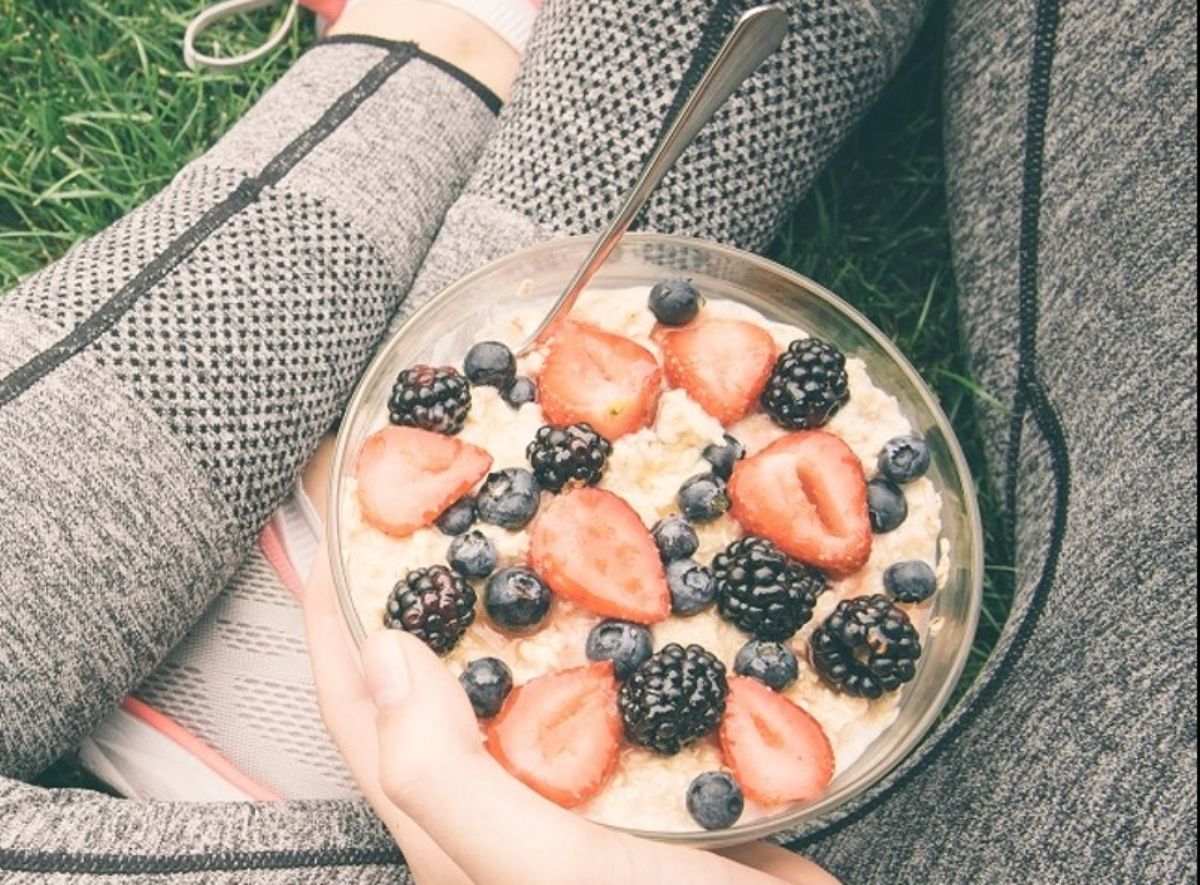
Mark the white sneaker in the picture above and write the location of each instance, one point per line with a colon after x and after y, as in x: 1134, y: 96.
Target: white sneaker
x: 232, y: 712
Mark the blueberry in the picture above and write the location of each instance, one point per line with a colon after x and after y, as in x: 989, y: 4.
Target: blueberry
x: 458, y: 517
x: 771, y: 663
x: 715, y: 800
x: 692, y: 587
x: 904, y: 459
x: 723, y: 457
x: 675, y: 302
x: 703, y: 498
x: 487, y: 682
x: 516, y: 599
x: 519, y: 391
x: 886, y: 505
x: 509, y: 498
x: 912, y: 581
x: 675, y: 537
x: 627, y: 645
x: 472, y: 555
x: 490, y: 364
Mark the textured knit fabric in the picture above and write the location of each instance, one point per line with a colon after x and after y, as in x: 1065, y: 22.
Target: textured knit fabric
x: 597, y: 81
x: 162, y: 384
x: 1076, y: 759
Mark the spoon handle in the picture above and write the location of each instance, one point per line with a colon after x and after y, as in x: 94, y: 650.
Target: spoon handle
x: 756, y: 35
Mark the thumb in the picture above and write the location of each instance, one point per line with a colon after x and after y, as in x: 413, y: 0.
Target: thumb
x: 426, y: 726
x: 433, y: 767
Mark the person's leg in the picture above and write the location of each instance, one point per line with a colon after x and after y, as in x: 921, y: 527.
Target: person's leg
x: 161, y: 385
x: 590, y: 100
x: 1075, y: 757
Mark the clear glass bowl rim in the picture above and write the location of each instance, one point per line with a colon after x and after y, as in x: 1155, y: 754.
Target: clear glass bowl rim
x: 809, y: 816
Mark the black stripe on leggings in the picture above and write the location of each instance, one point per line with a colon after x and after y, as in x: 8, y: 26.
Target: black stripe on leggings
x: 16, y: 860
x: 1031, y: 399
x: 110, y: 313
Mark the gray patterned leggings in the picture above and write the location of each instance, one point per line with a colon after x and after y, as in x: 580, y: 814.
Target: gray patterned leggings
x: 161, y: 385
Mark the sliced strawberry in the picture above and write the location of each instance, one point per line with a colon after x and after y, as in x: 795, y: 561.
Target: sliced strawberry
x: 560, y: 733
x: 722, y: 364
x: 407, y: 477
x: 591, y: 548
x: 807, y: 493
x: 778, y: 752
x: 591, y: 375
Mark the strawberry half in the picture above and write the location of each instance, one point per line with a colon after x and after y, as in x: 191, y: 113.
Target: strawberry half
x: 592, y: 548
x: 778, y: 752
x: 408, y: 476
x: 606, y: 380
x: 807, y: 493
x: 722, y: 364
x: 560, y: 733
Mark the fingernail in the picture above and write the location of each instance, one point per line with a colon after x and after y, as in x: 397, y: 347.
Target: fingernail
x: 386, y: 669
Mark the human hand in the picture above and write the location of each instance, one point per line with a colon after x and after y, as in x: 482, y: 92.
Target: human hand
x: 410, y: 738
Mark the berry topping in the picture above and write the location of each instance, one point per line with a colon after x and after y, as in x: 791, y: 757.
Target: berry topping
x: 886, y: 505
x: 703, y: 497
x: 626, y: 645
x: 519, y: 391
x: 490, y: 364
x: 606, y: 380
x: 571, y: 455
x: 408, y: 477
x: 866, y: 647
x: 675, y: 537
x: 675, y: 302
x: 432, y: 398
x: 591, y: 548
x: 904, y: 459
x: 777, y: 751
x: 673, y: 699
x: 714, y: 800
x: 722, y: 364
x: 912, y: 581
x: 472, y: 555
x: 692, y: 587
x: 516, y: 599
x: 560, y: 733
x: 764, y: 591
x: 808, y: 386
x: 458, y: 517
x: 433, y: 604
x: 509, y: 498
x: 487, y: 682
x: 723, y: 457
x: 771, y: 663
x: 807, y: 493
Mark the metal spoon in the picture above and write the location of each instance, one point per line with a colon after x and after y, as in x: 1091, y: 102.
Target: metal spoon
x: 756, y: 35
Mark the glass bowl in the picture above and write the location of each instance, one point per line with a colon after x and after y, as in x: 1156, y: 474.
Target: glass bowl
x: 443, y: 330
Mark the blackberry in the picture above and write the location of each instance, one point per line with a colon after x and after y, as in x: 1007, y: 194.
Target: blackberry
x: 673, y: 699
x: 764, y: 591
x: 570, y: 455
x: 808, y: 385
x: 866, y: 647
x: 430, y: 397
x: 433, y: 604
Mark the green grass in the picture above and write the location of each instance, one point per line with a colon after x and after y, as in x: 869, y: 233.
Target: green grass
x: 97, y: 113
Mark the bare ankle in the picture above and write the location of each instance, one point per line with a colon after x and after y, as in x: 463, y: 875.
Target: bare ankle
x: 441, y: 30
